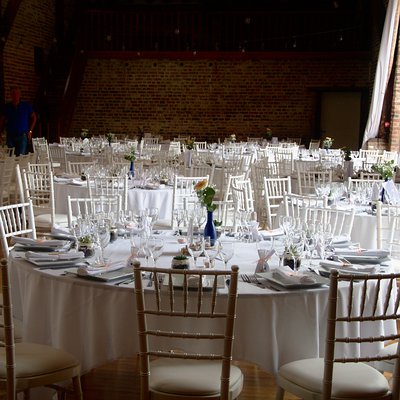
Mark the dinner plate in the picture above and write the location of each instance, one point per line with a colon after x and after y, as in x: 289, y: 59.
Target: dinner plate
x: 122, y: 273
x: 293, y: 281
x: 328, y: 265
x: 54, y: 264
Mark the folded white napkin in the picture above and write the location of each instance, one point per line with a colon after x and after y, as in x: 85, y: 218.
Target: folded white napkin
x: 328, y: 265
x: 362, y: 252
x: 88, y: 270
x: 58, y: 229
x: 37, y: 242
x: 70, y: 255
x: 60, y: 179
x: 78, y: 182
x: 271, y: 232
x: 288, y: 278
x: 340, y: 239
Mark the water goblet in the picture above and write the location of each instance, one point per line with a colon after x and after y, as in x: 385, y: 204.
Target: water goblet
x: 226, y: 252
x: 196, y: 247
x: 157, y: 246
x: 152, y: 214
x: 211, y: 250
x: 126, y: 219
x: 102, y: 238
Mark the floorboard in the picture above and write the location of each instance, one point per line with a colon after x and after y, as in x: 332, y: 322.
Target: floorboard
x: 118, y: 380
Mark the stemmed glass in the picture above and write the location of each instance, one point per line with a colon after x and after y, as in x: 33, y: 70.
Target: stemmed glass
x: 126, y: 218
x: 310, y: 242
x: 102, y: 232
x: 226, y: 252
x: 211, y: 250
x: 157, y: 246
x: 152, y: 214
x: 180, y: 216
x: 196, y: 247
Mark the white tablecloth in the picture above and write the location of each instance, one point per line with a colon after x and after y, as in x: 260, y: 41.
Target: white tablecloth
x: 138, y: 199
x: 97, y: 322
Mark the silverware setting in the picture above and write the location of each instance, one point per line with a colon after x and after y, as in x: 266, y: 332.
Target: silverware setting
x: 255, y: 281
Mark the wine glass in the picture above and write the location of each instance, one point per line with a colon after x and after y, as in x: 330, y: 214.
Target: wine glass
x: 102, y: 237
x: 152, y: 214
x: 156, y: 245
x: 211, y: 250
x: 180, y: 216
x: 226, y: 252
x: 196, y: 247
x: 126, y: 218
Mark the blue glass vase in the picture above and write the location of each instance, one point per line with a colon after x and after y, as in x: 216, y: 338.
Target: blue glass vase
x: 209, y: 229
x: 132, y: 170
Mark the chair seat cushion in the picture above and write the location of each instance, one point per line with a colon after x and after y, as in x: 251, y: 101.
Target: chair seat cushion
x: 192, y: 377
x: 36, y: 359
x: 44, y: 220
x: 386, y: 365
x: 347, y: 377
x: 389, y: 350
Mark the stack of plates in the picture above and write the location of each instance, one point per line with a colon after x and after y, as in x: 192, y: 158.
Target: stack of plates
x: 25, y: 244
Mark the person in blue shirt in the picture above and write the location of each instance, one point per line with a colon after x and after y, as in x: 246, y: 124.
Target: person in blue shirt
x: 18, y: 119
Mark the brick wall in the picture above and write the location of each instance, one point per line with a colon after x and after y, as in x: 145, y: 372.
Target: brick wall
x: 210, y: 99
x: 33, y: 26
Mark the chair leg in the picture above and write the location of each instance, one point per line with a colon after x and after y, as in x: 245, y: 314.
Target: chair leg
x: 279, y: 394
x: 76, y: 381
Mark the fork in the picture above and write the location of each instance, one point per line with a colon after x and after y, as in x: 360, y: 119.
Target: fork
x: 250, y: 279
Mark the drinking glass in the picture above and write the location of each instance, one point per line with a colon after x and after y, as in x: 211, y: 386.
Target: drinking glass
x: 157, y: 246
x: 196, y: 247
x: 226, y: 252
x: 126, y: 219
x: 102, y: 237
x: 211, y: 250
x: 152, y: 214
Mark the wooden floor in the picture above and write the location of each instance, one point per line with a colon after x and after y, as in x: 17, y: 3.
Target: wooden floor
x: 118, y: 380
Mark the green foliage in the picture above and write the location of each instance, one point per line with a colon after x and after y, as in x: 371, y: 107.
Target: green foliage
x: 206, y: 195
x: 131, y: 156
x: 385, y: 169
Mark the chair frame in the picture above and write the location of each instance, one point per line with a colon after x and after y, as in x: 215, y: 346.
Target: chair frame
x: 16, y: 220
x: 177, y: 304
x: 341, y: 221
x: 355, y: 310
x: 11, y: 383
x: 79, y: 207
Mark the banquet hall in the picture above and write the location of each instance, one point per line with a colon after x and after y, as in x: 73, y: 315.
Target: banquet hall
x: 207, y: 134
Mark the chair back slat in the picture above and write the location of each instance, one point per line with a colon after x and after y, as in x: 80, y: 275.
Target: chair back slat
x: 370, y: 298
x: 193, y: 295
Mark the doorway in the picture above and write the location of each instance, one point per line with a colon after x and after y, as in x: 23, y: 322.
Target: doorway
x: 340, y: 117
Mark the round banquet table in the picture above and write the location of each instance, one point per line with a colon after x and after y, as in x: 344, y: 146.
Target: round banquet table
x: 96, y: 321
x: 138, y: 199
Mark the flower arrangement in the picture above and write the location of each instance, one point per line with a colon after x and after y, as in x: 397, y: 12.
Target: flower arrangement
x: 268, y: 134
x: 327, y: 142
x: 189, y: 143
x: 205, y: 194
x: 110, y: 137
x: 84, y: 133
x: 232, y: 138
x: 385, y: 169
x: 346, y: 154
x: 131, y: 156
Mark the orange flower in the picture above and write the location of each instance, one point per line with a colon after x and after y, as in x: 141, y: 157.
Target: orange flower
x: 200, y: 185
